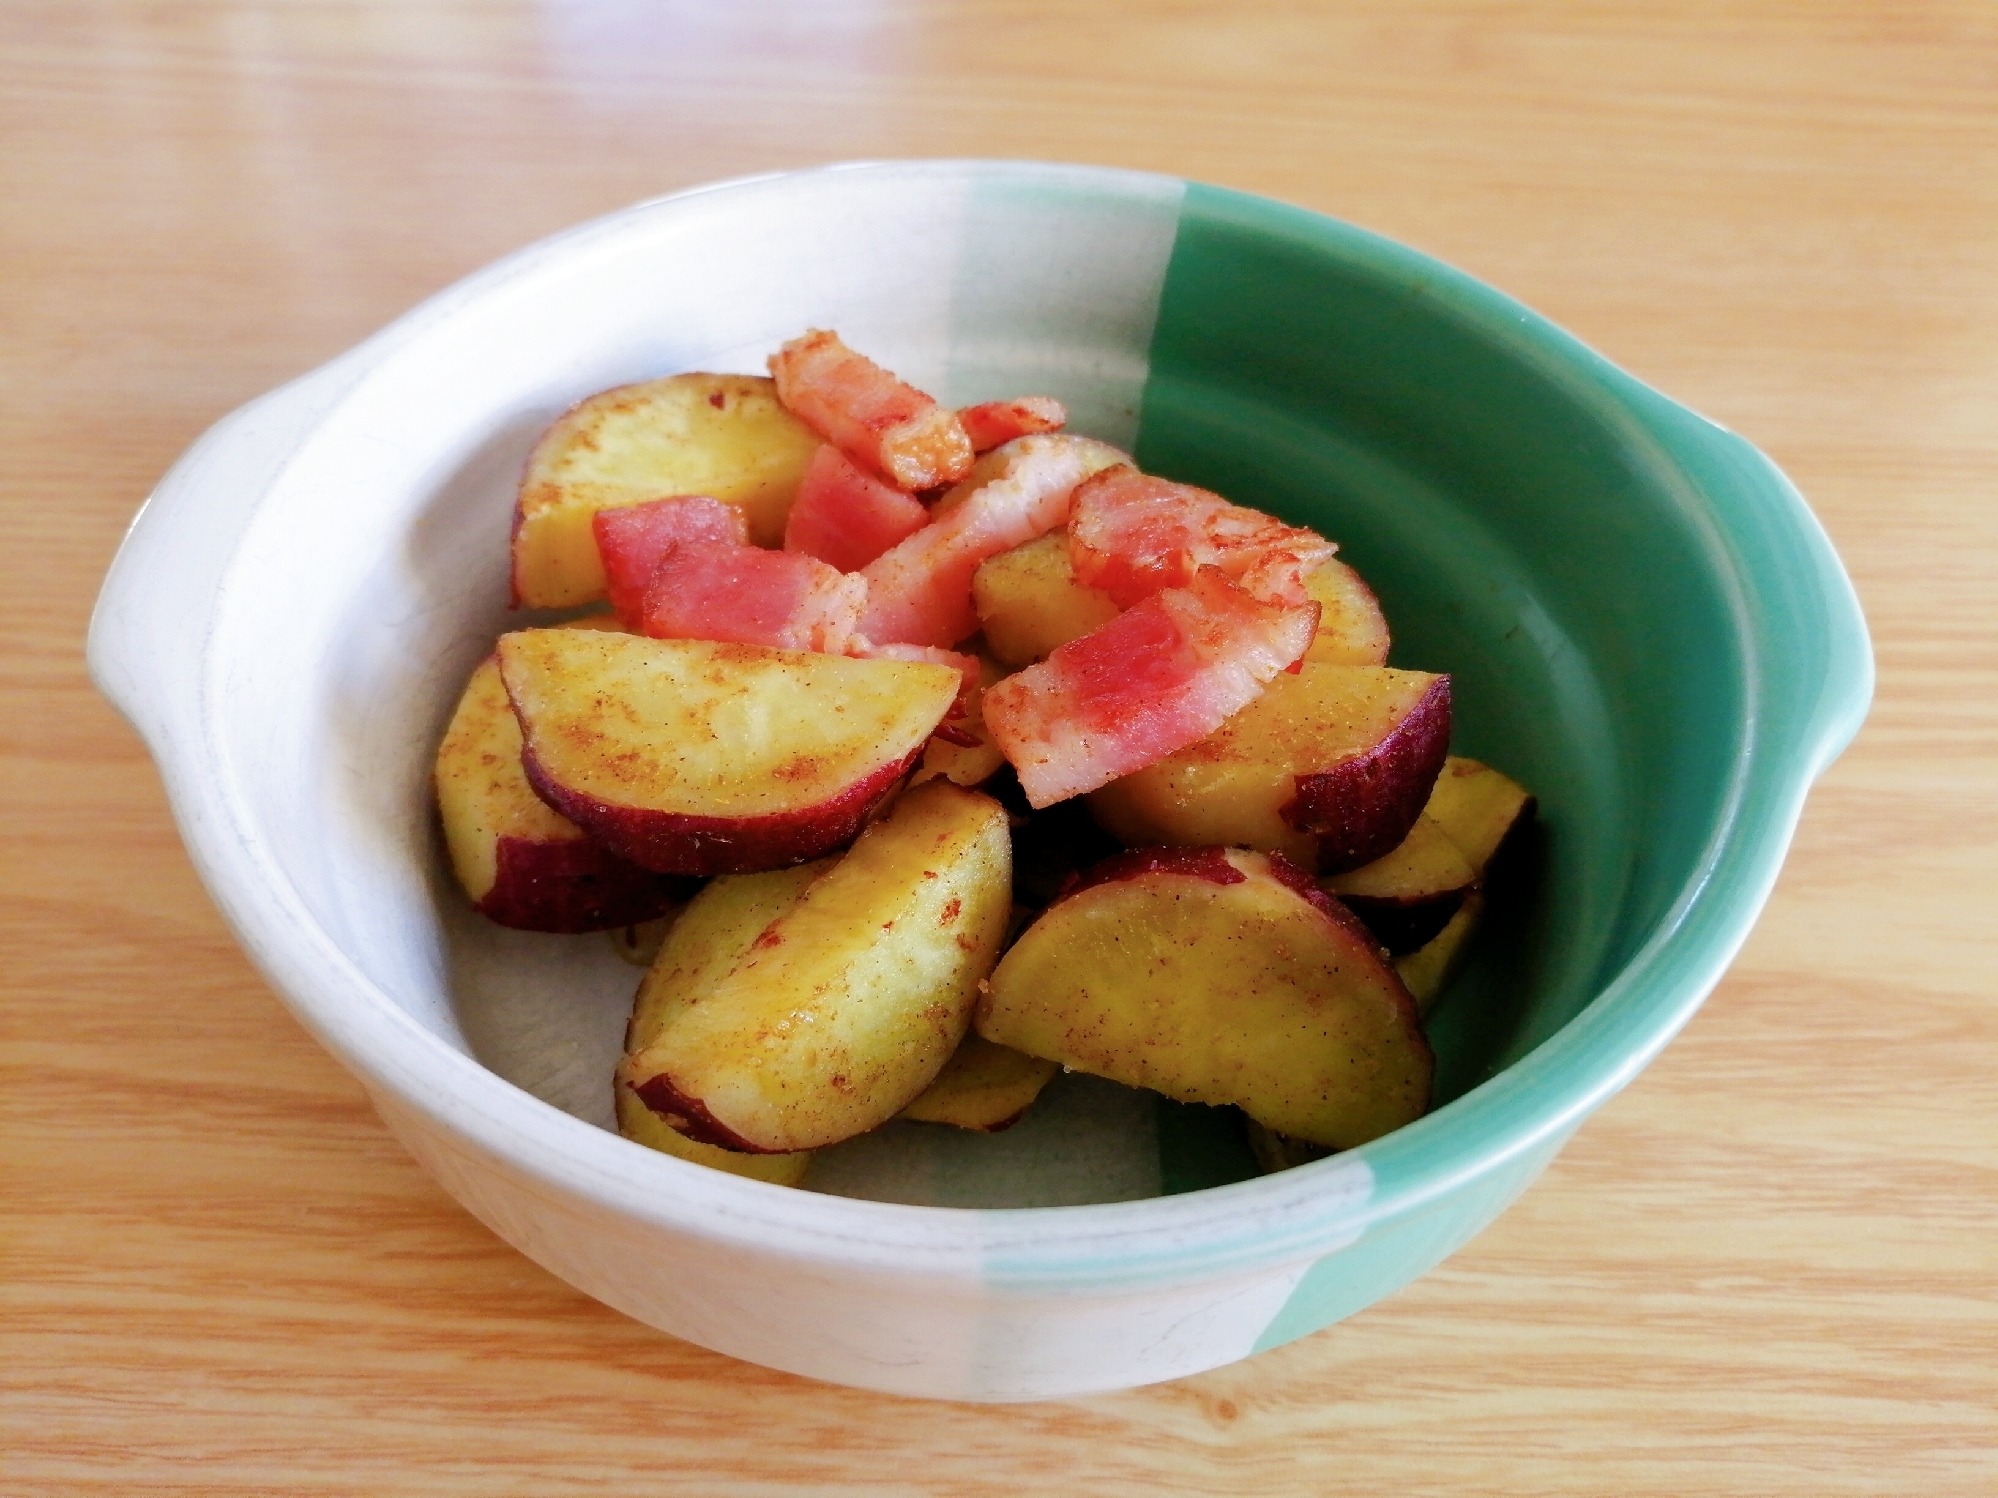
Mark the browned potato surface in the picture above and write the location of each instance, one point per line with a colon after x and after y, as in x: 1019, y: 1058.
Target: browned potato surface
x: 846, y: 1006
x: 694, y: 757
x: 1218, y: 976
x: 1029, y: 602
x: 983, y: 1086
x: 1407, y: 894
x: 520, y: 862
x: 1352, y: 631
x: 1430, y: 967
x: 1329, y: 767
x: 724, y: 436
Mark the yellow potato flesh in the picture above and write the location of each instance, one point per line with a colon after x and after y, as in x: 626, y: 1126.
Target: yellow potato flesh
x: 641, y: 1125
x: 707, y: 941
x: 700, y: 728
x: 983, y: 1086
x: 1429, y: 968
x: 1423, y: 865
x: 967, y: 764
x: 1476, y: 807
x: 482, y: 794
x: 846, y: 1006
x: 711, y: 937
x: 1218, y: 993
x: 724, y: 436
x: 1229, y: 789
x: 1351, y: 628
x: 1029, y: 602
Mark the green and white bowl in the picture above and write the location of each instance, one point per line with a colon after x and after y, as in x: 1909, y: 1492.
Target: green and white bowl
x: 1644, y: 623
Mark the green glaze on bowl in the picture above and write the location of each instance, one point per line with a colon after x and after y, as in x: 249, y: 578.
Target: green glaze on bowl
x: 1643, y: 622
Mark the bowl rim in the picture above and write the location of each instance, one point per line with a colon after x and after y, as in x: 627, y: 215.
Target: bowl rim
x: 1262, y: 1222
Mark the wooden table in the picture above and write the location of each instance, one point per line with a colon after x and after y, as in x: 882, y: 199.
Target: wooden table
x: 1768, y: 1268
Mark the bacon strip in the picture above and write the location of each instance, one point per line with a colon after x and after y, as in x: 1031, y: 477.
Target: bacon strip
x: 880, y: 421
x: 631, y: 539
x: 1132, y: 534
x: 996, y: 423
x: 846, y: 517
x: 919, y: 591
x: 783, y: 599
x: 1162, y: 675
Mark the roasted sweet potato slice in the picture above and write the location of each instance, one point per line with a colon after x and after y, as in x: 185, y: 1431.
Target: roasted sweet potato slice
x: 1153, y: 681
x: 519, y: 861
x: 724, y: 436
x: 983, y: 1086
x: 1478, y: 808
x: 879, y: 421
x: 692, y: 757
x: 847, y: 1005
x: 1029, y: 603
x: 711, y: 937
x: 1409, y: 893
x: 1218, y: 976
x: 1352, y: 630
x: 1329, y: 767
x: 1429, y: 968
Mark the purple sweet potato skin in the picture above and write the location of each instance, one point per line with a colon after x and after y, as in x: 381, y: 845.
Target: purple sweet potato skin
x: 691, y: 1116
x: 573, y: 886
x: 1301, y: 884
x: 1216, y: 866
x: 675, y: 843
x: 1210, y: 864
x: 1362, y: 807
x: 1404, y: 925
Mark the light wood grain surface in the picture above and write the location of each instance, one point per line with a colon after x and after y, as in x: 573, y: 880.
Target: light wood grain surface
x: 1770, y: 1267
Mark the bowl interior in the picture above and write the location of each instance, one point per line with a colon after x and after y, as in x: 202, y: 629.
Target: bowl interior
x: 1524, y: 532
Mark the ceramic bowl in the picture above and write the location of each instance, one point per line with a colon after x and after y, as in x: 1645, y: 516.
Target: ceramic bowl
x: 1644, y: 622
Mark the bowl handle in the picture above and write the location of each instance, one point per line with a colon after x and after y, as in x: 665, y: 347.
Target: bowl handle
x: 149, y: 630
x: 1813, y: 655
